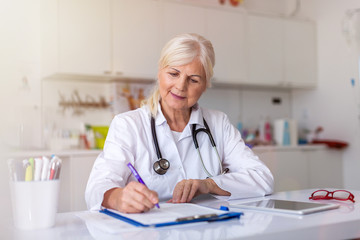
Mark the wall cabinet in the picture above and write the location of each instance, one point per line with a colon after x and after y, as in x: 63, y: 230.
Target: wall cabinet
x: 136, y: 37
x: 226, y: 31
x: 123, y: 38
x: 180, y: 18
x: 84, y: 36
x: 300, y: 53
x: 109, y: 38
x: 282, y: 52
x: 265, y: 44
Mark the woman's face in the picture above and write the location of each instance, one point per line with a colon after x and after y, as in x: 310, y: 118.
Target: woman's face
x: 181, y: 86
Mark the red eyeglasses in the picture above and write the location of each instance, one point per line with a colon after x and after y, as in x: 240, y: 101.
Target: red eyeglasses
x: 342, y: 195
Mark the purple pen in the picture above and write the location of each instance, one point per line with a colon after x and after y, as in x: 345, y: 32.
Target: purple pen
x: 136, y: 174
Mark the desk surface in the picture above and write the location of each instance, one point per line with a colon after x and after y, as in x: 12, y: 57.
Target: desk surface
x: 341, y: 223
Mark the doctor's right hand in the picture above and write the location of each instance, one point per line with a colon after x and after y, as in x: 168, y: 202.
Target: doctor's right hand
x: 133, y: 198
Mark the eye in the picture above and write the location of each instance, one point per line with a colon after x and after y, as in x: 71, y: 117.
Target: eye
x: 194, y: 80
x: 174, y: 74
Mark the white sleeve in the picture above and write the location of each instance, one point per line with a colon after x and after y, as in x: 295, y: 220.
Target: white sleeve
x: 110, y: 170
x: 247, y: 176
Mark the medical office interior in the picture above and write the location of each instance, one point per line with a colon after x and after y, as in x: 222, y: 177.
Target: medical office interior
x: 283, y: 68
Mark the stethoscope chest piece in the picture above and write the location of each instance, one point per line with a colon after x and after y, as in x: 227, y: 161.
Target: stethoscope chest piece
x: 161, y: 166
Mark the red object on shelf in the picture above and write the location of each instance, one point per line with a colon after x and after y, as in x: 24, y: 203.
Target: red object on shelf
x: 331, y: 143
x: 234, y: 2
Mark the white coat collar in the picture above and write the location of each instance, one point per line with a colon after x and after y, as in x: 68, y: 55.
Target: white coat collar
x: 196, y: 116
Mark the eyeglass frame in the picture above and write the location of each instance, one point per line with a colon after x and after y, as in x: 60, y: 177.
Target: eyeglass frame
x: 328, y: 197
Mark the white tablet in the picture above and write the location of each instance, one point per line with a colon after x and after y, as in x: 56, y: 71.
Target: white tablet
x: 286, y: 206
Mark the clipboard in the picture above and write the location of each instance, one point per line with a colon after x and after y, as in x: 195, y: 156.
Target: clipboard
x: 173, y: 214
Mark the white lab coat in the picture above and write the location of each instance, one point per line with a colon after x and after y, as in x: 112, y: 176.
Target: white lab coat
x: 130, y: 140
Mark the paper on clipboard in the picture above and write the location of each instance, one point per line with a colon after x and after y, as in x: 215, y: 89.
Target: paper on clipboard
x: 168, y: 212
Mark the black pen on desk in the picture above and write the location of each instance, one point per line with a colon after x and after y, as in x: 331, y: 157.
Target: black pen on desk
x: 136, y: 174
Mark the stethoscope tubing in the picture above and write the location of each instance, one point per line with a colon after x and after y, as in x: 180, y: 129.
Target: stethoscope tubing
x: 206, y: 130
x: 157, y: 166
x: 153, y: 131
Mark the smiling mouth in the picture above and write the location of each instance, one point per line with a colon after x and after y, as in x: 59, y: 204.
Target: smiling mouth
x: 177, y: 96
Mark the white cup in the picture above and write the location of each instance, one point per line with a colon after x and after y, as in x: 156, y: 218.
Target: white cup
x: 34, y: 203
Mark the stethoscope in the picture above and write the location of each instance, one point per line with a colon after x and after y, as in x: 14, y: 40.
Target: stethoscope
x: 162, y: 165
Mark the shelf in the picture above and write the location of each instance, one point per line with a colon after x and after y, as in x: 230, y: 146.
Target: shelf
x: 97, y: 78
x: 306, y: 147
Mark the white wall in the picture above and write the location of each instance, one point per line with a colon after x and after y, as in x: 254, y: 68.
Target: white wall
x: 20, y: 68
x: 20, y: 118
x: 334, y: 105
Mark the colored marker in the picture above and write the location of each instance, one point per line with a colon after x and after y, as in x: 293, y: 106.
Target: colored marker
x: 28, y: 170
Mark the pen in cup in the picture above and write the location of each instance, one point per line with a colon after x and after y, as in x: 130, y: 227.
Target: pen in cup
x: 45, y: 169
x: 35, y: 169
x: 38, y: 169
x: 55, y: 167
x: 136, y: 174
x: 28, y: 170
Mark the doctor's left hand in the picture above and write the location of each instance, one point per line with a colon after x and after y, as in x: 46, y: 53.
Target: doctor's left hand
x: 187, y: 189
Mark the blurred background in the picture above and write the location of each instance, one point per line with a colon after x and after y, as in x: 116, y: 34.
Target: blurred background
x: 286, y: 74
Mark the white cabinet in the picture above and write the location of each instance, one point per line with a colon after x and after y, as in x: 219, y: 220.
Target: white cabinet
x: 124, y: 38
x: 226, y: 31
x: 265, y: 46
x: 75, y: 171
x: 110, y: 37
x: 289, y: 168
x: 84, y: 36
x: 300, y: 53
x: 178, y: 18
x: 282, y: 52
x: 296, y: 168
x: 136, y: 37
x: 80, y: 171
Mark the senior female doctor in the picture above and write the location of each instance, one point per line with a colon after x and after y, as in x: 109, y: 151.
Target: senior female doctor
x: 180, y: 149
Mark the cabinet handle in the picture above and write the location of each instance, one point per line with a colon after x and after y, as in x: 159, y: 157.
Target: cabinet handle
x: 107, y: 72
x: 118, y: 73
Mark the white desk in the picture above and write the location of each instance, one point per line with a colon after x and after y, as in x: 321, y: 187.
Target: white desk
x: 342, y: 223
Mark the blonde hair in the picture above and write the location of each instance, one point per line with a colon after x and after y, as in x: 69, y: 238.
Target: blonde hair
x: 182, y: 50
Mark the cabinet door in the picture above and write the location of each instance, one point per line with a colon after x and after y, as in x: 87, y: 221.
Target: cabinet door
x: 289, y: 168
x: 265, y: 43
x: 84, y: 36
x: 136, y: 28
x: 179, y: 18
x: 80, y: 171
x: 300, y: 53
x: 66, y: 194
x: 226, y: 31
x: 326, y: 169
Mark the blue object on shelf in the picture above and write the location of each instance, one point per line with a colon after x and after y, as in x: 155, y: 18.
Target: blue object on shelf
x: 286, y: 137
